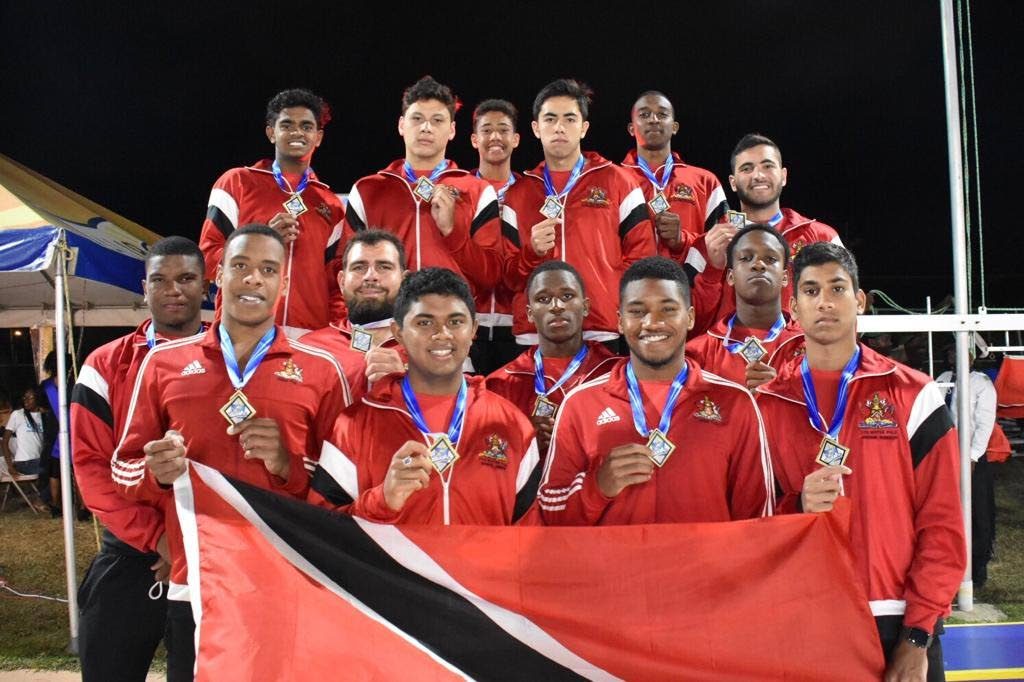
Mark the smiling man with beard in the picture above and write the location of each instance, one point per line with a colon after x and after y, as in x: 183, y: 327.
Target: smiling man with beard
x: 433, y: 446
x: 286, y: 194
x: 748, y: 345
x: 373, y: 267
x: 657, y: 440
x: 758, y: 178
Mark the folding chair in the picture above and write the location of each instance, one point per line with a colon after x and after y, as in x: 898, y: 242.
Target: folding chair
x: 6, y: 477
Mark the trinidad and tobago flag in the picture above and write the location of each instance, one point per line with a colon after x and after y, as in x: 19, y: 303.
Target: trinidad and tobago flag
x: 282, y: 590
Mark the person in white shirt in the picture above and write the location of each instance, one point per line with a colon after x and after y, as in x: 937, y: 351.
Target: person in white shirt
x: 983, y: 503
x: 25, y: 425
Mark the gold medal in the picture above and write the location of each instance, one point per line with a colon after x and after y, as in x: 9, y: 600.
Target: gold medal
x: 660, y: 446
x: 552, y: 207
x: 424, y: 188
x: 442, y: 453
x: 544, y: 407
x: 659, y: 204
x: 362, y: 340
x: 753, y: 350
x: 238, y: 408
x: 831, y: 452
x: 295, y: 205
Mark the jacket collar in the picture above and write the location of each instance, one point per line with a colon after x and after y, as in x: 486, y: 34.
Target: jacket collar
x: 632, y: 160
x: 281, y: 345
x: 386, y: 394
x: 265, y: 165
x: 617, y: 387
x: 598, y: 357
x: 592, y: 161
x: 139, y: 335
x: 397, y: 167
x: 788, y: 385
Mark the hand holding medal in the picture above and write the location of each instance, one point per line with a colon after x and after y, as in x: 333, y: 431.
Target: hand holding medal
x: 716, y: 240
x: 822, y: 487
x: 383, y: 361
x: 409, y: 473
x: 260, y: 438
x: 542, y: 236
x: 759, y: 373
x: 442, y: 208
x: 669, y: 229
x: 624, y: 466
x: 285, y: 225
x: 165, y: 458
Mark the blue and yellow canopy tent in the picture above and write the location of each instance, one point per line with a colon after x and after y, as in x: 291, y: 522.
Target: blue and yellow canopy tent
x: 66, y: 259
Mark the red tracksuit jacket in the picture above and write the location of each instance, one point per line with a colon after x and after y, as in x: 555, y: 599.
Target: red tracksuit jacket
x: 492, y: 483
x: 336, y: 339
x: 719, y: 471
x: 711, y: 354
x: 183, y: 384
x: 906, y: 530
x: 251, y: 195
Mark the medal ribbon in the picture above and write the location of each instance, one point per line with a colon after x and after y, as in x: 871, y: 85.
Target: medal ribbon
x: 284, y: 184
x: 666, y: 174
x: 410, y: 174
x: 240, y: 379
x: 538, y: 376
x: 413, y: 405
x: 773, y: 333
x: 637, y: 405
x: 151, y: 336
x: 504, y: 188
x: 574, y: 177
x: 842, y: 397
x: 775, y: 219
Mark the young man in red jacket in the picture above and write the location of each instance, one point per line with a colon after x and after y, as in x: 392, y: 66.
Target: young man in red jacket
x: 431, y: 446
x: 577, y: 207
x: 845, y: 420
x: 286, y: 194
x: 445, y: 216
x: 242, y: 398
x: 121, y: 623
x: 656, y: 440
x: 538, y: 380
x: 373, y: 267
x: 495, y: 137
x: 758, y: 178
x: 748, y: 345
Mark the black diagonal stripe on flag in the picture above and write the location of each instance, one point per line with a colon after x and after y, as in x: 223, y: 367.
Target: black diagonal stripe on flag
x: 442, y: 620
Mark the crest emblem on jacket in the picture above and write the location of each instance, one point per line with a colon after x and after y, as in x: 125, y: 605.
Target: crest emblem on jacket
x: 683, y: 192
x: 598, y: 198
x: 324, y: 210
x: 879, y: 416
x: 290, y: 372
x: 796, y: 248
x: 495, y: 454
x: 708, y: 411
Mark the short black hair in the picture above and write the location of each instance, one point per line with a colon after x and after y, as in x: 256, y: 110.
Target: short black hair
x: 655, y: 267
x: 821, y: 253
x: 757, y: 227
x: 564, y: 87
x: 298, y: 97
x: 176, y: 246
x: 554, y: 266
x: 502, y: 106
x: 427, y: 88
x: 372, y: 237
x: 749, y: 141
x: 440, y: 281
x: 653, y: 93
x: 252, y: 228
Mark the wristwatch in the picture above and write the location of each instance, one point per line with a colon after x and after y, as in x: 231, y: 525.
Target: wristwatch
x: 918, y: 637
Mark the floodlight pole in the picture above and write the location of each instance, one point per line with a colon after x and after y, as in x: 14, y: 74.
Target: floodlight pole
x: 66, y: 497
x: 960, y: 283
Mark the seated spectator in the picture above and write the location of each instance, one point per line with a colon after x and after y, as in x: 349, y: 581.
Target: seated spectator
x: 25, y: 425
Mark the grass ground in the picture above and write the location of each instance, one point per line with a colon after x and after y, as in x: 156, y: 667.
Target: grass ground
x: 34, y: 632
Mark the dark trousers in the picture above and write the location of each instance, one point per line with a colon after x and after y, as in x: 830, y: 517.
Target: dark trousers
x: 180, y: 641
x: 120, y: 626
x: 493, y: 348
x: 889, y: 628
x: 983, y: 521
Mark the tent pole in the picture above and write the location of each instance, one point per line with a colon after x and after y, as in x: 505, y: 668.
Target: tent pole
x: 956, y: 199
x: 65, y: 450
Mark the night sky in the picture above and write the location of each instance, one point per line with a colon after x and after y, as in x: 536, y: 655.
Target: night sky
x: 142, y: 109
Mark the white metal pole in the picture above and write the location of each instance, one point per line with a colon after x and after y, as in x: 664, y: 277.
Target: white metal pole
x: 960, y: 283
x: 65, y: 449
